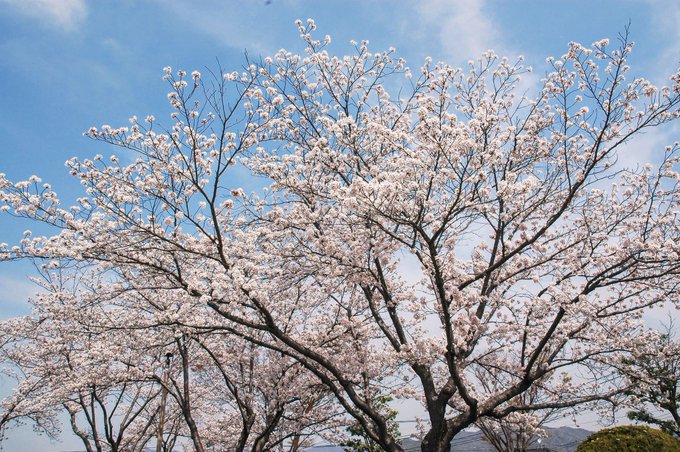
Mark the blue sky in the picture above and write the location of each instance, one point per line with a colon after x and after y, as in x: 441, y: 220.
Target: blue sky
x: 66, y: 65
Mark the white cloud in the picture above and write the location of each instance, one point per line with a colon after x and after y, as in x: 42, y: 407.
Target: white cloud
x: 229, y: 23
x: 647, y: 147
x: 63, y: 14
x: 14, y: 295
x: 465, y: 30
x: 666, y: 17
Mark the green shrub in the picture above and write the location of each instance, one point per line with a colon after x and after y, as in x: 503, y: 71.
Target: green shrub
x: 630, y: 438
x: 359, y: 440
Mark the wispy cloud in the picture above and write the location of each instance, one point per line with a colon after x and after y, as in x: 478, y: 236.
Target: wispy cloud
x: 666, y: 16
x: 62, y: 14
x: 229, y: 23
x: 464, y: 28
x: 14, y: 294
x: 649, y: 147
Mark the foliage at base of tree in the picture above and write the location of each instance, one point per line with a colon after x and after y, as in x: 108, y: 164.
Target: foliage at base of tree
x: 360, y: 440
x: 630, y: 438
x: 654, y: 374
x: 670, y: 427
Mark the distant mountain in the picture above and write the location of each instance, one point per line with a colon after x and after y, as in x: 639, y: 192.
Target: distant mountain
x: 559, y: 439
x: 564, y: 439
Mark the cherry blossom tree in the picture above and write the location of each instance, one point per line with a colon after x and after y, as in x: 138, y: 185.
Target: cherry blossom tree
x: 98, y: 377
x: 13, y: 410
x: 64, y: 371
x: 518, y: 431
x: 413, y: 232
x: 107, y: 356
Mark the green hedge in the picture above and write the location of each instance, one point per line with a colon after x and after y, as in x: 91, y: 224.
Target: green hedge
x: 630, y: 438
